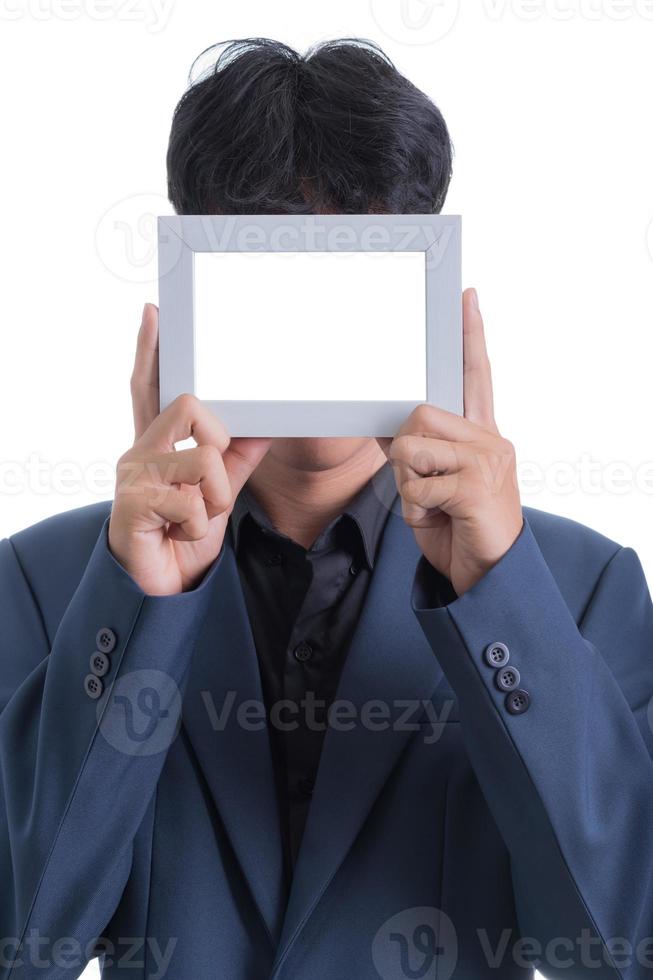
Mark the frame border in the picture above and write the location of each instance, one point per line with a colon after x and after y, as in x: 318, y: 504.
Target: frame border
x: 437, y: 236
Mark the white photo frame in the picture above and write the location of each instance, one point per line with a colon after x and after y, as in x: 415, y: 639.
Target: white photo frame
x: 420, y: 254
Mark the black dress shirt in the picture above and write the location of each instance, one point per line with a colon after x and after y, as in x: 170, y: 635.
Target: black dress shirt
x: 303, y: 606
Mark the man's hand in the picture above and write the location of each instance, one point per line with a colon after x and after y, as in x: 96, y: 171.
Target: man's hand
x: 457, y: 476
x: 171, y: 508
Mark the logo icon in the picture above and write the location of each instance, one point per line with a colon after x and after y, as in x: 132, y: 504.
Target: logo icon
x: 126, y: 238
x: 143, y: 713
x: 415, y: 21
x: 416, y: 944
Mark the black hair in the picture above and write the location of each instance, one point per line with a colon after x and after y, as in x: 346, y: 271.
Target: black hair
x: 267, y: 130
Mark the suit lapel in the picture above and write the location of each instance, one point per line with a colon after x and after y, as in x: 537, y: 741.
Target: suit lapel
x: 389, y: 661
x: 234, y: 757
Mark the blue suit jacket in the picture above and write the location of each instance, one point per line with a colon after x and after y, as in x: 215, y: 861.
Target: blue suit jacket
x: 446, y: 837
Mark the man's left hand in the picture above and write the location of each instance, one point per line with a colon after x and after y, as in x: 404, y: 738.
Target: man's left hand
x: 457, y: 476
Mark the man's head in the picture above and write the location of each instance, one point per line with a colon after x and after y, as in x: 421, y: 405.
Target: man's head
x: 270, y: 131
x: 338, y: 130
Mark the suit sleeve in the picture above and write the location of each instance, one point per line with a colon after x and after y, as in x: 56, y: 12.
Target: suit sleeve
x: 78, y: 770
x: 569, y: 780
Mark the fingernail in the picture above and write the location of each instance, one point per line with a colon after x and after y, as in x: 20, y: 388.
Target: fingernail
x: 474, y: 297
x: 144, y: 313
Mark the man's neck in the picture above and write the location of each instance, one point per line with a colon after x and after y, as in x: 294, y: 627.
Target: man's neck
x: 302, y: 502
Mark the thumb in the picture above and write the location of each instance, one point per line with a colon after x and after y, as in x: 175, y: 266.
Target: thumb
x: 241, y: 458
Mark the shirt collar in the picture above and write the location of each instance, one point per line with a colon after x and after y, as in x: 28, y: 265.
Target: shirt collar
x: 368, y: 511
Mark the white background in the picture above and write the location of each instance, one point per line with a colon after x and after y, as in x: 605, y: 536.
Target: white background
x: 549, y: 105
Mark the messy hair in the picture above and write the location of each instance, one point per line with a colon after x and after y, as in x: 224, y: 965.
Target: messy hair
x: 266, y: 130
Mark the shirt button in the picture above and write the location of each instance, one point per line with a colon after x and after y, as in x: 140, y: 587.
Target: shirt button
x: 273, y: 561
x: 518, y: 702
x: 303, y: 652
x: 306, y: 786
x: 497, y: 654
x: 105, y: 639
x: 100, y: 664
x: 93, y: 686
x: 353, y: 569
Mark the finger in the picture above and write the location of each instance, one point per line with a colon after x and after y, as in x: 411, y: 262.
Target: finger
x: 430, y: 492
x: 429, y: 421
x: 426, y: 456
x: 145, y: 376
x: 413, y: 515
x: 186, y: 417
x: 416, y: 516
x: 159, y: 505
x: 477, y: 376
x: 202, y: 467
x: 241, y: 459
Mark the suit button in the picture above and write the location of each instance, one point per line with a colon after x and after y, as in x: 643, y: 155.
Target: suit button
x: 105, y: 640
x: 508, y: 678
x: 100, y: 664
x: 497, y: 654
x: 93, y: 686
x: 518, y: 702
x: 303, y: 652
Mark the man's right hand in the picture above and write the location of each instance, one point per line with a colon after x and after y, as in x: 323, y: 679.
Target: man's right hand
x: 171, y: 508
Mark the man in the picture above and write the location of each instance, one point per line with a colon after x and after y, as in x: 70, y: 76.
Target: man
x: 414, y: 739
